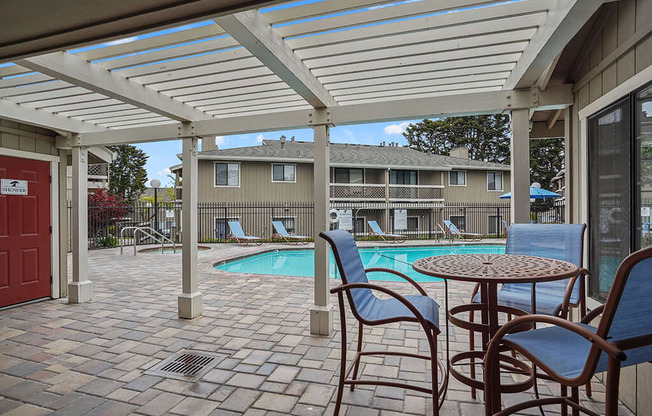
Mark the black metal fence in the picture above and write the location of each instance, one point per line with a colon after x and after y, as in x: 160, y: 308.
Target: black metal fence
x: 115, y: 226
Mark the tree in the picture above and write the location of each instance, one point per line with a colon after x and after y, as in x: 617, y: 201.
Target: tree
x: 104, y: 211
x: 165, y: 196
x: 127, y: 172
x: 486, y: 137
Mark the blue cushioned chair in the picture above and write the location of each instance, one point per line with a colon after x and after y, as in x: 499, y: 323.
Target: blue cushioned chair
x: 371, y: 310
x: 555, y: 241
x: 571, y: 353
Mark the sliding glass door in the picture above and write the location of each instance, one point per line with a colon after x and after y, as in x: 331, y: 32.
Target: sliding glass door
x: 620, y: 185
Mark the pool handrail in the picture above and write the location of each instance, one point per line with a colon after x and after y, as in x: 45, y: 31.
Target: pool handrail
x: 162, y: 239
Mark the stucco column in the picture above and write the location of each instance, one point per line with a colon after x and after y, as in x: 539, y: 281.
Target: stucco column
x: 80, y: 289
x: 321, y: 312
x: 520, y: 161
x: 190, y: 299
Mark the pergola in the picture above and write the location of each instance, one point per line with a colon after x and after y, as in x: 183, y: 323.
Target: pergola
x: 199, y: 68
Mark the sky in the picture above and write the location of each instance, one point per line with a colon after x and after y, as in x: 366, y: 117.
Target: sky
x: 163, y: 155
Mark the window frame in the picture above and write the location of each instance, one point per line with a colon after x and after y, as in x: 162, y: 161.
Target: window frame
x: 457, y: 170
x: 348, y: 175
x: 284, y: 165
x: 502, y: 181
x: 215, y: 185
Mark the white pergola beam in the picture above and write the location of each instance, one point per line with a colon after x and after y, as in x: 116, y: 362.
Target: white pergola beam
x: 565, y: 19
x: 77, y: 71
x: 460, y: 104
x: 45, y: 119
x: 254, y: 32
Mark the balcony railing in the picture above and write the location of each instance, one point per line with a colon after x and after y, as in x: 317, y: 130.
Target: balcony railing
x: 376, y: 192
x: 98, y: 171
x: 416, y: 193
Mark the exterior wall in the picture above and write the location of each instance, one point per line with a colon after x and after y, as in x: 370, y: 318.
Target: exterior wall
x: 475, y: 189
x: 597, y: 76
x: 27, y: 138
x: 256, y: 184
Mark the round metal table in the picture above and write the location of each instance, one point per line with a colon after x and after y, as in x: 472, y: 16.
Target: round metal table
x: 490, y: 270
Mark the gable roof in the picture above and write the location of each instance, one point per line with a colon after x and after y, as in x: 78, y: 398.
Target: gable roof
x: 349, y: 155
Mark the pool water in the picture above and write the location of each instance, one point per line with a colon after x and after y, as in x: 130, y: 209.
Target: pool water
x: 302, y: 262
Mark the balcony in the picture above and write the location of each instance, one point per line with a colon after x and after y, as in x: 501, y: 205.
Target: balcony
x: 98, y: 171
x: 376, y: 192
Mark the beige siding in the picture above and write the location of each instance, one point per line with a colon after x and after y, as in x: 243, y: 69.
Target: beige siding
x: 27, y: 138
x: 475, y: 189
x: 630, y: 16
x: 255, y: 184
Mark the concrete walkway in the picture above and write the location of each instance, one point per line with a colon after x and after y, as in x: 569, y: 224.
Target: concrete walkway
x: 89, y: 359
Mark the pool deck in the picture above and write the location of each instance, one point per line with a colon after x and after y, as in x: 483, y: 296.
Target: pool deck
x: 64, y: 359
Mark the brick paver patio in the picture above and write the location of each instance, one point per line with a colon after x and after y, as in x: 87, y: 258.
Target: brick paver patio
x: 89, y: 359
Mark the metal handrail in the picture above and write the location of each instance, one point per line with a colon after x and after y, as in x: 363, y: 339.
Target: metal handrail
x: 161, y: 240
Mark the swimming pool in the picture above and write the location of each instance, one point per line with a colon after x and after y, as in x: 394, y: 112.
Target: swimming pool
x: 302, y: 262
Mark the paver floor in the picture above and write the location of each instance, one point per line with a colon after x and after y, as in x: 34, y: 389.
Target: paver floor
x: 90, y: 359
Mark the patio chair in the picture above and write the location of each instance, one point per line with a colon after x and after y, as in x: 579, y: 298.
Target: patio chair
x: 282, y: 232
x: 506, y: 227
x: 453, y: 232
x: 556, y: 241
x: 571, y: 353
x: 377, y: 231
x: 371, y: 310
x: 238, y: 234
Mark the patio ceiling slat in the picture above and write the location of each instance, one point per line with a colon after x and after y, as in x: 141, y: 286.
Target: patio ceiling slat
x: 231, y: 86
x: 214, y: 78
x: 51, y: 94
x: 319, y: 9
x: 245, y: 97
x: 425, y: 57
x: 453, y: 22
x: 33, y: 88
x: 376, y: 15
x: 132, y: 114
x: 419, y: 95
x: 471, y: 43
x: 134, y: 122
x: 31, y: 116
x: 268, y: 108
x: 252, y: 104
x: 95, y: 112
x: 206, y: 95
x: 397, y: 85
x: 75, y: 99
x: 24, y: 80
x: 426, y: 75
x: 461, y: 65
x: 95, y: 107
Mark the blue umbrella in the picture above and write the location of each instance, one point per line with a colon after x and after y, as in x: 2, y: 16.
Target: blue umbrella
x: 535, y: 193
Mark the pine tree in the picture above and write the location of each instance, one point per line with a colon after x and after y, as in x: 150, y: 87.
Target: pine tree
x: 127, y: 174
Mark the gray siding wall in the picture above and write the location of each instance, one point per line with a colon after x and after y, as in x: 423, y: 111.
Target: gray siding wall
x: 630, y: 16
x: 27, y: 138
x: 475, y: 189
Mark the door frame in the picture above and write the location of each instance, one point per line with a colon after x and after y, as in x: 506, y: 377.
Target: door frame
x: 55, y: 285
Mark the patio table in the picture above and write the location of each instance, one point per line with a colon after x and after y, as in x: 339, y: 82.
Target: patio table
x: 490, y: 270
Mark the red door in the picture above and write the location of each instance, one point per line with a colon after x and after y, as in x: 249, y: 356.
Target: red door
x: 25, y: 232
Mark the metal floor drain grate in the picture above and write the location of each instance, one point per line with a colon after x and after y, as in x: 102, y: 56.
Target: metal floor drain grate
x: 185, y: 365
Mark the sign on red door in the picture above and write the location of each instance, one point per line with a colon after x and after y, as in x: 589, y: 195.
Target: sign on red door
x: 25, y: 267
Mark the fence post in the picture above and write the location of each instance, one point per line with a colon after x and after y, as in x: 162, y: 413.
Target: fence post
x: 226, y: 223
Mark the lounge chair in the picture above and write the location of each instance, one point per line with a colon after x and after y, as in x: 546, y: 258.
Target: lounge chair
x: 377, y: 231
x: 555, y: 241
x: 283, y: 233
x: 238, y: 234
x: 506, y: 226
x: 571, y: 353
x: 453, y: 232
x: 371, y: 310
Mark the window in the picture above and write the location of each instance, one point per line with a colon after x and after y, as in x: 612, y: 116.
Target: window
x: 288, y: 223
x: 283, y: 173
x: 459, y: 221
x: 495, y: 181
x: 403, y: 177
x: 227, y: 174
x: 457, y: 178
x: 344, y: 175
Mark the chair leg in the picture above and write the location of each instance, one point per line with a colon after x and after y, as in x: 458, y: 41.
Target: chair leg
x: 471, y: 348
x: 575, y: 397
x: 434, y: 370
x: 613, y: 378
x: 340, y: 384
x: 358, y: 349
x: 564, y: 393
x: 589, y: 393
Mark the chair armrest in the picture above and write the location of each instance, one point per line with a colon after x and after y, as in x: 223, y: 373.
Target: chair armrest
x: 399, y: 274
x: 590, y: 336
x: 569, y: 292
x: 415, y: 311
x: 593, y: 314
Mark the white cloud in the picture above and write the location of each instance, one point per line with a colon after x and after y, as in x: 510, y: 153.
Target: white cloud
x: 396, y: 128
x: 260, y: 138
x: 219, y: 140
x: 165, y: 172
